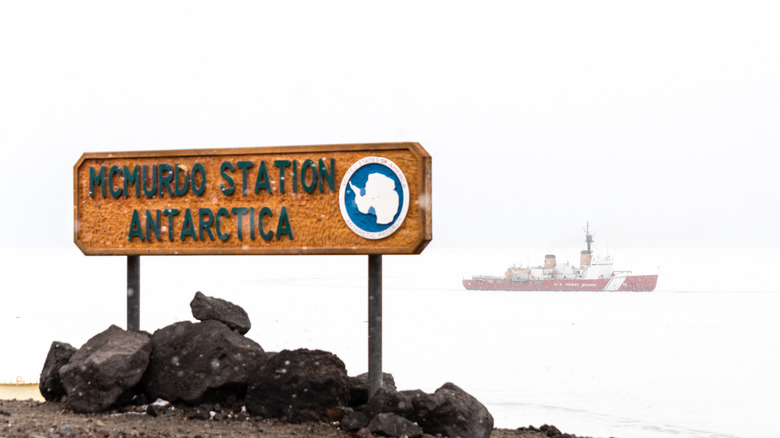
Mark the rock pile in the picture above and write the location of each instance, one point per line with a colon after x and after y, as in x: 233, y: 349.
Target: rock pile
x: 211, y: 365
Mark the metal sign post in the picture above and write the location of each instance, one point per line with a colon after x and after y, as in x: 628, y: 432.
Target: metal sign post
x: 134, y: 293
x: 374, y: 323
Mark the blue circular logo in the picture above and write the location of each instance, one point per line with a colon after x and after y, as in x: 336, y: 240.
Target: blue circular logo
x: 374, y: 197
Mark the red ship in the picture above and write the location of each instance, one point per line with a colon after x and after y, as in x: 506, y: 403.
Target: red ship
x: 594, y: 274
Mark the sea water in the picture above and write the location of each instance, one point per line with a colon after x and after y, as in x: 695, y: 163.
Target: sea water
x: 698, y: 357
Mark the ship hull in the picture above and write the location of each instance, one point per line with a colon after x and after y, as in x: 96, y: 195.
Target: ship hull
x: 629, y: 283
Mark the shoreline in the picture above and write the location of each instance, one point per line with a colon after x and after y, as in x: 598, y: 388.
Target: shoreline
x: 27, y: 418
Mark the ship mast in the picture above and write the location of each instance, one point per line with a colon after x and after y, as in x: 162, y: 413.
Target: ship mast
x: 588, y: 237
x: 586, y: 253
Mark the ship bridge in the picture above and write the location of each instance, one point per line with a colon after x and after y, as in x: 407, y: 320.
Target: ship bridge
x: 600, y: 267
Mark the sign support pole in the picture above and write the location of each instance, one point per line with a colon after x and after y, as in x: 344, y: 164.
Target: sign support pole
x: 134, y: 293
x: 374, y: 323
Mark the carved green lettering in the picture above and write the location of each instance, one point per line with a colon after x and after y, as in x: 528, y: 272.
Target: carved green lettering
x: 188, y: 227
x: 265, y: 211
x: 177, y: 171
x: 205, y: 222
x: 244, y: 166
x: 295, y: 176
x: 222, y: 212
x: 152, y: 225
x: 240, y: 212
x: 197, y: 169
x: 283, y: 227
x: 146, y: 182
x: 251, y: 223
x: 97, y: 179
x: 329, y: 178
x: 281, y: 164
x: 262, y: 182
x: 164, y: 178
x: 131, y: 178
x: 309, y: 165
x: 115, y: 170
x: 135, y: 228
x: 223, y: 168
x: 170, y: 212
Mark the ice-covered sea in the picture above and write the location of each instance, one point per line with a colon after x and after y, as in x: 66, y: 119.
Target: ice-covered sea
x: 699, y: 357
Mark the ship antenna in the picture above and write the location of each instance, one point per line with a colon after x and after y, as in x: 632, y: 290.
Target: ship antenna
x: 588, y: 236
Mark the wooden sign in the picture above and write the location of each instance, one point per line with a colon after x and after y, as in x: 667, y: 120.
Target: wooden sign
x: 330, y: 199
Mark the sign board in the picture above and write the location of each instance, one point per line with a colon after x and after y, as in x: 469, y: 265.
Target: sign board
x: 329, y: 199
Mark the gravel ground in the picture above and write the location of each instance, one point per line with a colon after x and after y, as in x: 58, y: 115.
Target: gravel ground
x: 32, y: 419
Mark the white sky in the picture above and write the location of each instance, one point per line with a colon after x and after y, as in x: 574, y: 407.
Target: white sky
x: 658, y: 122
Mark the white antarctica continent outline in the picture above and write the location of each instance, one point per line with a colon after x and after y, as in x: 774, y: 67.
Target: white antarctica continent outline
x: 380, y: 195
x: 404, y: 188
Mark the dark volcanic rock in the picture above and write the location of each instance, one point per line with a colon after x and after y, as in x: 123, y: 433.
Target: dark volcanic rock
x: 103, y: 372
x: 453, y: 412
x: 414, y: 393
x: 388, y: 400
x: 50, y: 383
x: 209, y: 308
x: 389, y: 424
x: 352, y: 420
x: 200, y: 362
x: 551, y: 431
x: 358, y: 388
x: 298, y: 386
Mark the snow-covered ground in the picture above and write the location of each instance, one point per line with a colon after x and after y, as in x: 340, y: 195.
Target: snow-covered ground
x: 695, y: 358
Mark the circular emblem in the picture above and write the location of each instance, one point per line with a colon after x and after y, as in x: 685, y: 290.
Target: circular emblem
x: 374, y: 197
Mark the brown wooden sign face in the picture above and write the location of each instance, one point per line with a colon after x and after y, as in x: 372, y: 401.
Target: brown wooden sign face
x: 330, y: 199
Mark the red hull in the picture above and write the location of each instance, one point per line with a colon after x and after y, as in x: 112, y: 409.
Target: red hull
x: 631, y: 283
